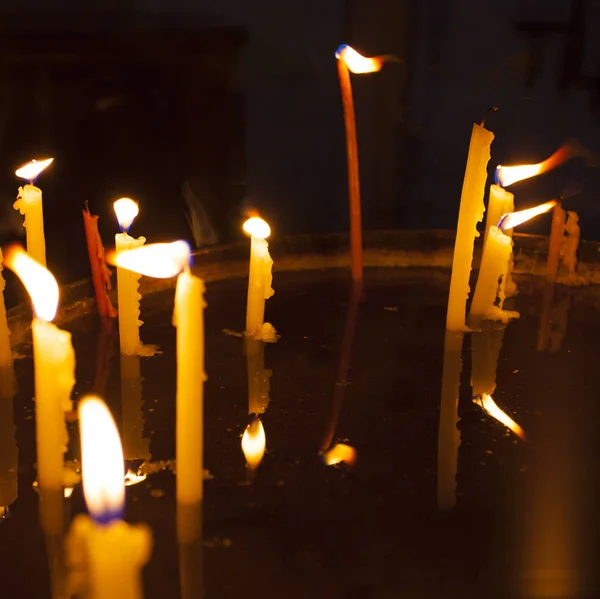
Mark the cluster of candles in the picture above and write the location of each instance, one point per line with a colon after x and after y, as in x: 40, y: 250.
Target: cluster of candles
x: 109, y: 553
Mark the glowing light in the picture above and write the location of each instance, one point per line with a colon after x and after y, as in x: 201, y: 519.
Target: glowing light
x: 486, y: 402
x: 132, y: 478
x: 37, y: 279
x: 254, y: 443
x: 507, y: 175
x: 158, y: 260
x: 357, y: 63
x: 101, y: 459
x: 257, y: 227
x: 512, y: 219
x: 126, y: 210
x: 32, y: 169
x: 68, y: 491
x: 340, y: 453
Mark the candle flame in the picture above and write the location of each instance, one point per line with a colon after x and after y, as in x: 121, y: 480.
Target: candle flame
x: 134, y: 478
x: 507, y: 175
x: 257, y: 227
x: 37, y: 279
x: 33, y: 168
x: 126, y: 210
x: 254, y: 443
x: 158, y: 260
x: 101, y: 459
x: 340, y: 452
x: 357, y: 63
x: 487, y: 402
x: 512, y: 219
x: 68, y: 491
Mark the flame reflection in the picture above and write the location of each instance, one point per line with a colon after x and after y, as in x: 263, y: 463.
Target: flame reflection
x: 254, y: 443
x: 340, y: 452
x: 487, y: 402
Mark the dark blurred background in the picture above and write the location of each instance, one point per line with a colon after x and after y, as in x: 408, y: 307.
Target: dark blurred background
x: 218, y: 106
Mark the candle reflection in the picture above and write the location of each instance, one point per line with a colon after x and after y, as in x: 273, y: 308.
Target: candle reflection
x: 449, y: 435
x: 9, y: 453
x: 258, y: 377
x: 554, y: 320
x: 105, y: 349
x: 254, y: 443
x: 189, y: 539
x: 135, y: 446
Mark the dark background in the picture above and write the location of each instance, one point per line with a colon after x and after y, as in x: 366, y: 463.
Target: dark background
x: 239, y: 101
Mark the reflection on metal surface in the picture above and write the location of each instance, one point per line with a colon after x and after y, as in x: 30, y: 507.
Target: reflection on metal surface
x: 9, y: 452
x: 485, y: 352
x: 339, y: 453
x: 254, y: 443
x: 554, y: 319
x: 190, y: 544
x: 133, y: 478
x: 449, y: 435
x: 135, y: 445
x: 258, y: 377
x: 487, y: 403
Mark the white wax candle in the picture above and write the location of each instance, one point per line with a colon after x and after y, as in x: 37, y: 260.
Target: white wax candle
x: 54, y: 371
x: 470, y: 213
x: 259, y: 284
x: 129, y: 297
x: 29, y: 203
x: 489, y: 296
x: 188, y: 317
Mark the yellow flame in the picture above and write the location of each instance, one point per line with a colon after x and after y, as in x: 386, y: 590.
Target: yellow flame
x: 512, y: 219
x: 158, y: 260
x: 101, y: 458
x: 37, y: 279
x: 487, y: 402
x: 126, y: 210
x: 507, y: 175
x: 133, y: 478
x: 68, y: 491
x: 254, y: 443
x: 357, y: 63
x: 257, y: 227
x: 340, y: 452
x: 32, y: 169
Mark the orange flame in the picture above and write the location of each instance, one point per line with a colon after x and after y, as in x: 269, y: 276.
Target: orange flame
x: 134, y: 478
x: 158, y: 260
x: 33, y: 168
x: 512, y: 219
x: 507, y: 175
x: 340, y: 452
x: 486, y: 402
x: 38, y: 280
x: 254, y: 443
x: 357, y: 63
x: 257, y: 227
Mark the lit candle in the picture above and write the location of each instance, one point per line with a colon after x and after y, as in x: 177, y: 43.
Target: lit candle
x: 165, y: 260
x: 29, y: 204
x: 350, y: 60
x: 448, y: 433
x: 128, y: 282
x: 105, y: 554
x: 258, y: 376
x: 260, y: 279
x: 489, y: 296
x: 254, y: 443
x: 100, y: 272
x: 5, y: 347
x: 135, y: 445
x: 54, y: 367
x: 470, y: 213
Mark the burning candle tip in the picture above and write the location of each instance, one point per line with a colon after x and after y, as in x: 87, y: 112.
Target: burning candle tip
x: 33, y: 168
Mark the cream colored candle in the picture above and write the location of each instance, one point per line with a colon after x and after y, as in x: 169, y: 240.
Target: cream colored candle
x: 29, y: 204
x: 9, y: 452
x: 501, y: 202
x: 54, y: 367
x: 135, y: 445
x: 165, y: 260
x: 5, y: 348
x: 258, y: 376
x: 470, y: 213
x: 448, y: 434
x: 128, y: 282
x: 105, y: 554
x: 260, y: 277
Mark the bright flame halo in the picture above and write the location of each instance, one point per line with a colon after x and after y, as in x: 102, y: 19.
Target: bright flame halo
x: 37, y: 279
x: 257, y: 227
x: 356, y: 62
x: 158, y: 260
x: 101, y: 460
x: 33, y: 168
x: 254, y: 443
x: 126, y: 210
x: 488, y: 404
x: 512, y: 219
